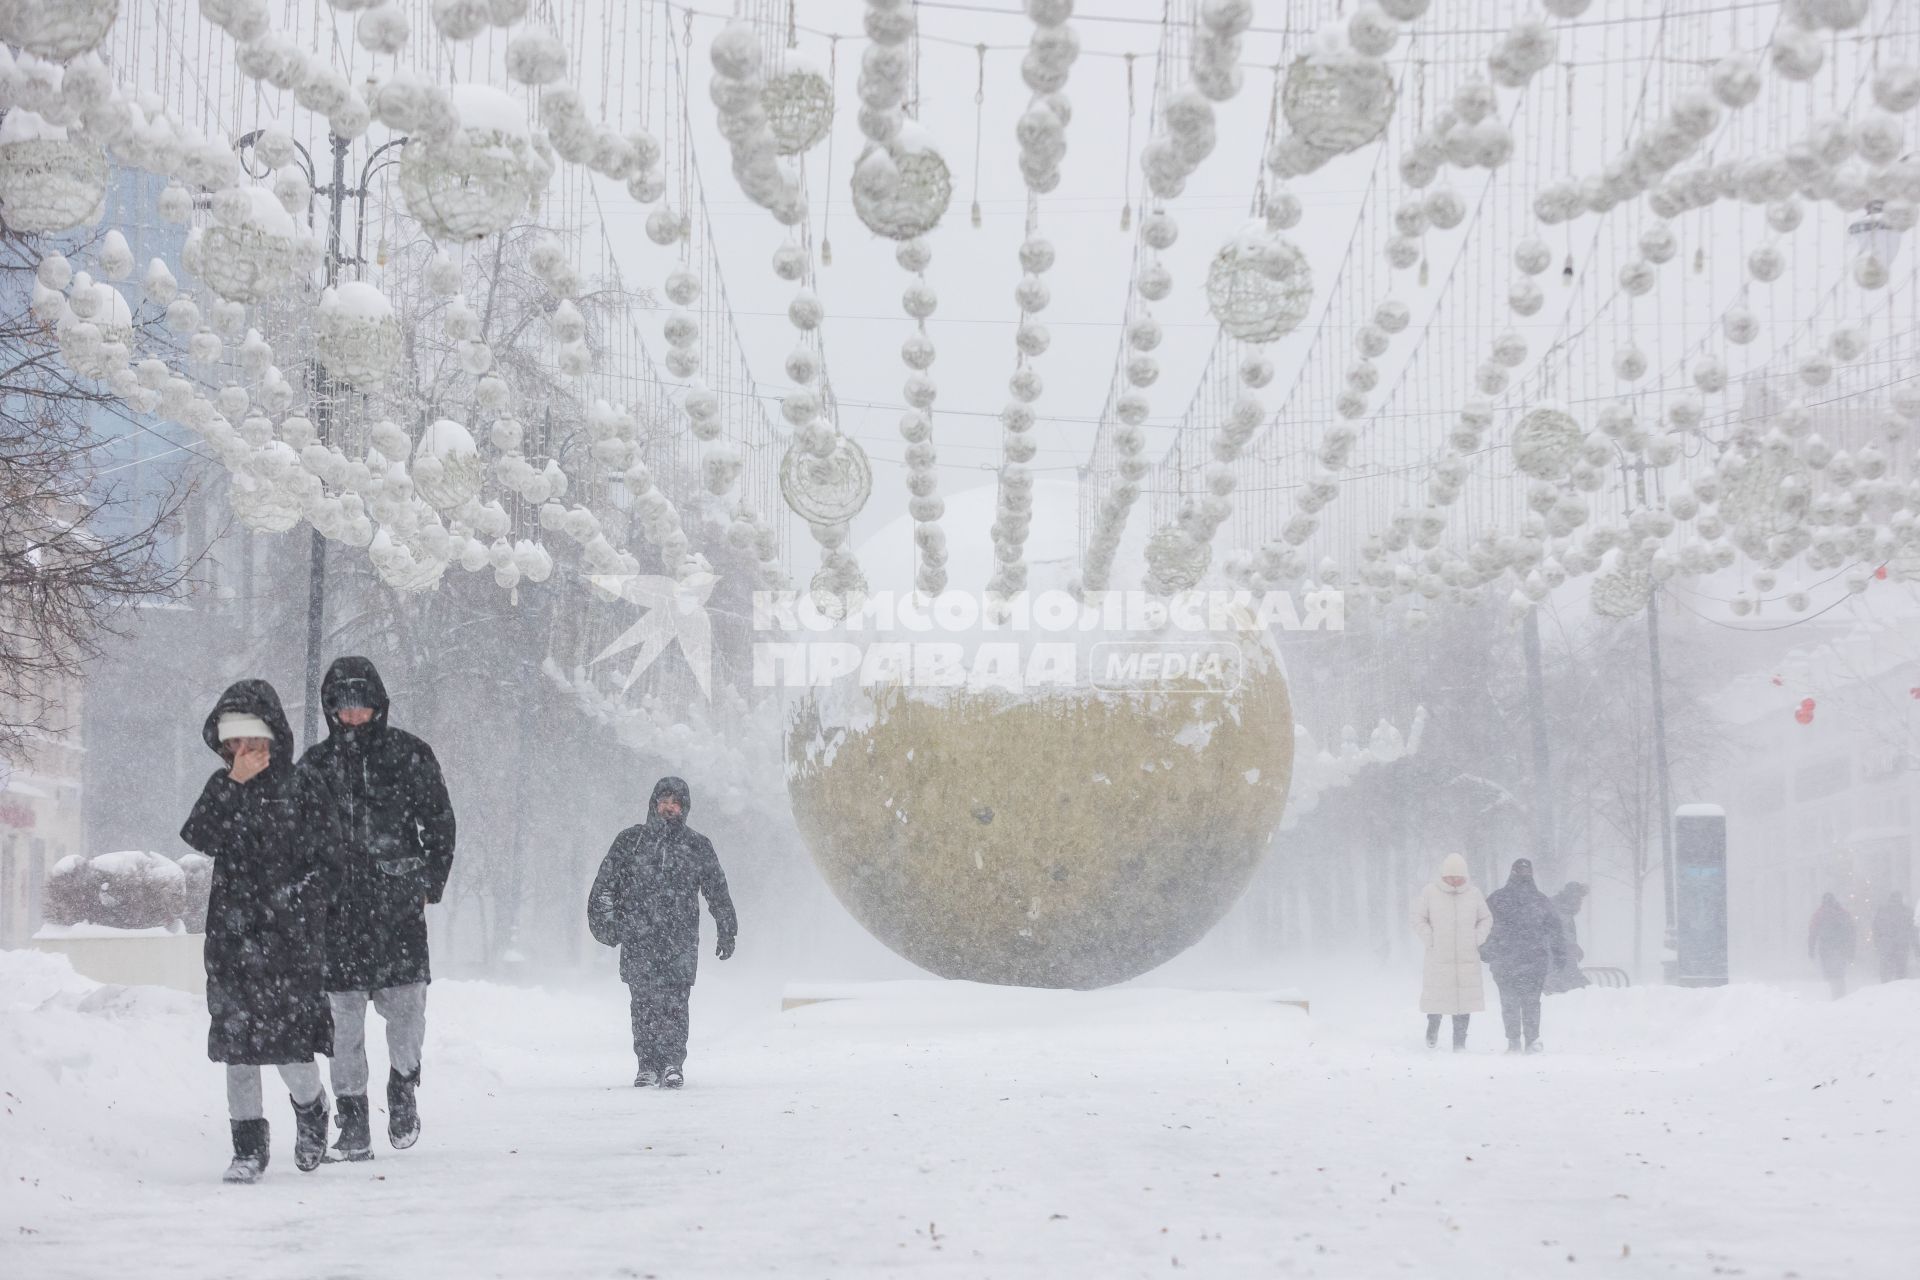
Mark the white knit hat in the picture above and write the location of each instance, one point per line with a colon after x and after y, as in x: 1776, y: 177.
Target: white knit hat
x: 236, y: 724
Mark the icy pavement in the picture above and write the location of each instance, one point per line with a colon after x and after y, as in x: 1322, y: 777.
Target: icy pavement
x: 966, y: 1131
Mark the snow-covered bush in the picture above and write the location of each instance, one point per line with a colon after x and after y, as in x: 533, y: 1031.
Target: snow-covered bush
x: 130, y: 889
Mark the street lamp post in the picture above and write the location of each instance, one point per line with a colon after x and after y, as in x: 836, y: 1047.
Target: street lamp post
x: 336, y: 193
x: 1636, y: 488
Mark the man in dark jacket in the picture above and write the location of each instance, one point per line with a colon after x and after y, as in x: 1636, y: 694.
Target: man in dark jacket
x: 1830, y: 940
x: 1527, y: 943
x: 1894, y: 937
x: 268, y: 826
x: 398, y: 829
x: 646, y: 901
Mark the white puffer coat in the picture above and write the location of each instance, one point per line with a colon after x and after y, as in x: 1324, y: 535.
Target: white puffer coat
x: 1452, y: 923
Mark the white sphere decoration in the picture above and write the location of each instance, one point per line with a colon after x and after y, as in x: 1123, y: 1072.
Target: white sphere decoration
x: 1525, y: 297
x: 1546, y: 441
x: 356, y: 335
x: 478, y: 179
x: 1256, y: 370
x: 1337, y: 100
x: 797, y: 102
x: 48, y: 181
x: 1796, y: 53
x: 1259, y: 286
x: 1444, y: 208
x: 1710, y: 374
x: 1896, y: 87
x: 1740, y: 325
x: 910, y: 200
x: 253, y: 252
x: 1370, y: 341
x: 456, y: 469
x: 1766, y: 264
x: 1847, y: 344
x: 1637, y: 277
x: 1869, y: 272
x: 1815, y: 369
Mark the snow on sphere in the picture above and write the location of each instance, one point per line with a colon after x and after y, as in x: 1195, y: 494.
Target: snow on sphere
x: 461, y: 19
x: 48, y: 182
x: 1797, y: 54
x: 1896, y: 88
x: 482, y: 176
x: 57, y: 30
x: 537, y: 57
x: 357, y: 338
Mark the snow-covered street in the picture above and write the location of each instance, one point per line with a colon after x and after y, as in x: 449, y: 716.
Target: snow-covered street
x: 969, y: 1131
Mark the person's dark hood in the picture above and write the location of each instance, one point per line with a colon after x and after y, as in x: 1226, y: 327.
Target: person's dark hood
x: 670, y: 787
x: 1520, y: 879
x: 252, y: 698
x: 353, y: 682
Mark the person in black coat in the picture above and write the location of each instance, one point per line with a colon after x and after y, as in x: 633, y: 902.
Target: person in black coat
x: 1894, y: 937
x: 1527, y: 943
x: 397, y: 826
x: 1566, y: 976
x: 646, y: 901
x: 268, y: 826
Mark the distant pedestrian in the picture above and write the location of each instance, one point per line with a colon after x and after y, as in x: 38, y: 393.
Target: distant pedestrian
x: 1451, y: 920
x: 397, y: 828
x: 268, y: 826
x: 1567, y: 976
x: 1830, y: 940
x: 1526, y: 944
x: 646, y: 901
x: 1894, y: 937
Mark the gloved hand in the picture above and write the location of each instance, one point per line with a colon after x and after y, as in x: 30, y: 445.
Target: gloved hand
x: 725, y: 949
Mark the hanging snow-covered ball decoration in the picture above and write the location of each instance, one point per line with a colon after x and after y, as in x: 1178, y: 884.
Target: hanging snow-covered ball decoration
x: 901, y: 190
x: 357, y: 337
x: 1797, y: 54
x: 57, y: 30
x: 798, y: 104
x: 1176, y: 560
x: 1622, y: 592
x: 1259, y: 287
x: 482, y: 176
x: 252, y: 250
x: 1337, y: 100
x: 536, y: 57
x: 48, y: 181
x: 1546, y: 441
x: 1740, y: 325
x: 827, y: 489
x: 447, y: 468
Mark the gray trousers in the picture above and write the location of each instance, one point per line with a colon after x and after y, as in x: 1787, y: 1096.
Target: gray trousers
x: 405, y: 1011
x: 659, y: 1011
x: 244, y: 1100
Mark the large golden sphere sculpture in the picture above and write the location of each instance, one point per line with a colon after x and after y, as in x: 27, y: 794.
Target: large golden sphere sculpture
x: 1062, y: 837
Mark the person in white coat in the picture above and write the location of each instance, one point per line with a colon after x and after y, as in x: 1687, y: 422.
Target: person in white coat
x: 1451, y: 919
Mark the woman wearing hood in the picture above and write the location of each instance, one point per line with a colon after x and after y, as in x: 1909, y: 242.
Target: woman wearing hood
x: 1451, y: 920
x: 267, y: 826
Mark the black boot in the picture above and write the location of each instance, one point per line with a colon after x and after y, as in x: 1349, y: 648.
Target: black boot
x: 403, y: 1116
x: 1433, y: 1030
x: 310, y: 1137
x: 249, y: 1151
x: 1459, y: 1032
x: 1513, y: 1044
x: 356, y: 1137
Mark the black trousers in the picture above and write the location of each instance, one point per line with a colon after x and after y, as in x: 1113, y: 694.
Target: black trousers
x: 1459, y: 1029
x: 1520, y: 1006
x: 659, y: 1023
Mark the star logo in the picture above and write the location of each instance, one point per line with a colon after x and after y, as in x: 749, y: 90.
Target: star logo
x: 675, y: 611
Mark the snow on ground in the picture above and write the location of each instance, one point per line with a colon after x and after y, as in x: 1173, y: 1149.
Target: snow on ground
x: 953, y: 1130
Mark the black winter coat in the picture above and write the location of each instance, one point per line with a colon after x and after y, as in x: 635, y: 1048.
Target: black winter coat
x: 1528, y: 940
x: 397, y: 826
x: 273, y: 846
x: 646, y: 899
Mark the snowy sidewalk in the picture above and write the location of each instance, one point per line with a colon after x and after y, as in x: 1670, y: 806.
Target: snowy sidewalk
x: 980, y: 1132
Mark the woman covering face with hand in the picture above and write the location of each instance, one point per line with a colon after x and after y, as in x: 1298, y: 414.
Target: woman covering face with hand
x: 267, y: 827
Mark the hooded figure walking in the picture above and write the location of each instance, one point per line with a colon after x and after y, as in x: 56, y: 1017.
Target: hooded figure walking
x: 1830, y: 937
x: 397, y: 828
x: 1894, y: 937
x: 1451, y: 920
x: 646, y: 901
x: 268, y: 825
x: 1526, y: 944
